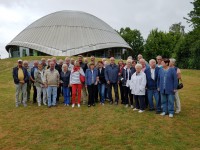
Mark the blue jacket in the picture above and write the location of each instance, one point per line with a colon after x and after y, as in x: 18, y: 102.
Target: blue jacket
x: 171, y: 81
x: 151, y: 84
x: 111, y: 73
x: 88, y: 76
x: 65, y: 78
x: 15, y: 75
x: 33, y: 71
x: 124, y: 75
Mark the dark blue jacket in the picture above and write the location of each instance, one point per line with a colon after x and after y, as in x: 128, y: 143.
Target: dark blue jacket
x: 15, y: 75
x: 111, y: 73
x: 102, y: 76
x: 124, y: 75
x: 65, y: 78
x: 88, y: 76
x: 171, y: 81
x: 33, y: 71
x: 151, y: 84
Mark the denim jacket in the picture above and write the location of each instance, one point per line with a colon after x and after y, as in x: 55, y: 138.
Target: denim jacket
x: 111, y: 73
x: 88, y: 76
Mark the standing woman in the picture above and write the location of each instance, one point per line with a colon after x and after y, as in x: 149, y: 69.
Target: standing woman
x: 75, y: 82
x: 39, y: 84
x: 167, y: 85
x: 64, y: 78
x: 178, y: 72
x: 137, y: 86
x: 102, y: 82
x: 127, y: 72
x: 121, y: 67
x: 90, y: 83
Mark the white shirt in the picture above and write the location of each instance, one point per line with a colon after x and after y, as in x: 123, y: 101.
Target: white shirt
x: 153, y: 73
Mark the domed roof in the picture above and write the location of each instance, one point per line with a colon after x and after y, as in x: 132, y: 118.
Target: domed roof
x: 67, y: 33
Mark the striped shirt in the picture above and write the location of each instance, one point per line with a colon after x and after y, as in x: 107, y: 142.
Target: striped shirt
x: 75, y: 76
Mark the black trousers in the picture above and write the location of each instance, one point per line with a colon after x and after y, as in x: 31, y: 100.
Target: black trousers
x: 58, y: 93
x: 34, y: 94
x: 121, y: 92
x: 91, y: 94
x: 96, y: 95
x: 146, y: 100
x: 127, y: 95
x: 140, y: 102
x: 109, y: 90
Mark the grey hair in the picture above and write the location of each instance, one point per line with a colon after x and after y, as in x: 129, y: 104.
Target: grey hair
x: 64, y: 65
x: 172, y: 60
x: 152, y: 60
x: 138, y: 65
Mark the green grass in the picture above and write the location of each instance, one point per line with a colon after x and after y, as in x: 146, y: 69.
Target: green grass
x: 108, y: 127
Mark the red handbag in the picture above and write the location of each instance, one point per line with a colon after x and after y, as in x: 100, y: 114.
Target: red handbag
x: 82, y: 78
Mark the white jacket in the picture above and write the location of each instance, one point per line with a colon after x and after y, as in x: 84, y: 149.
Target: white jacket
x: 138, y: 83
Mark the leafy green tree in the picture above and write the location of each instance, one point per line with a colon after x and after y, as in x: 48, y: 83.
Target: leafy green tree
x: 134, y: 39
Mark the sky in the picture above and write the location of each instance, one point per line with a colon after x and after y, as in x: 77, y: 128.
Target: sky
x: 144, y: 15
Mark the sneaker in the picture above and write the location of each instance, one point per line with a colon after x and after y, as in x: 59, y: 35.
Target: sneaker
x: 39, y: 104
x: 111, y: 102
x: 102, y: 104
x: 93, y: 104
x: 131, y: 106
x: 45, y: 103
x: 135, y: 109
x: 25, y: 105
x: 126, y: 105
x: 163, y: 114
x: 177, y: 112
x: 79, y: 105
x: 67, y: 105
x: 17, y: 105
x: 89, y: 105
x: 141, y: 111
x: 73, y: 105
x: 116, y: 103
x: 171, y: 115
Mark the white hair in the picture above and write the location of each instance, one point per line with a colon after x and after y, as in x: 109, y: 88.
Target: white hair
x: 25, y: 62
x: 152, y: 60
x: 129, y: 61
x: 138, y: 66
x: 64, y: 65
x: 172, y: 60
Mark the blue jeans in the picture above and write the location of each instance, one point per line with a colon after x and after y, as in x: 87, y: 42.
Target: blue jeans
x: 167, y: 101
x: 155, y: 94
x: 66, y: 94
x: 52, y: 90
x: 101, y: 89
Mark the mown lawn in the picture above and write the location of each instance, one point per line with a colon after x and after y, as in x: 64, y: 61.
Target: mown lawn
x: 100, y: 127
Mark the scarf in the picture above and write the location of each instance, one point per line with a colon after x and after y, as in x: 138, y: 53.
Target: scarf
x: 76, y: 68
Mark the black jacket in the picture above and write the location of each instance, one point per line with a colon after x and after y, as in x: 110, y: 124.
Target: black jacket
x: 102, y: 75
x: 124, y: 75
x: 83, y: 66
x: 65, y: 78
x: 15, y: 75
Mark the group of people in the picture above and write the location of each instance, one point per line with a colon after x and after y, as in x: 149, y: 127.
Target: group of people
x: 140, y: 83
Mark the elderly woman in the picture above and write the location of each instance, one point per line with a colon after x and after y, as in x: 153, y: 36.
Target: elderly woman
x: 167, y: 85
x: 121, y: 67
x: 75, y: 82
x: 137, y: 86
x: 64, y: 78
x: 90, y: 82
x: 39, y: 79
x: 127, y: 72
x: 178, y: 72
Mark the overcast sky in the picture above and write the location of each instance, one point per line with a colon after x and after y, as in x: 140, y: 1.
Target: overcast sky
x: 144, y: 15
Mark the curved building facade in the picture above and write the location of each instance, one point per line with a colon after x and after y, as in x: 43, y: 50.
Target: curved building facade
x: 68, y: 33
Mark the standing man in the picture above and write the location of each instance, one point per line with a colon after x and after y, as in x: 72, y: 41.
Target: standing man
x: 43, y: 62
x: 20, y: 76
x: 152, y: 89
x: 33, y: 70
x: 159, y: 60
x: 69, y: 65
x: 84, y: 67
x: 51, y: 82
x: 111, y: 76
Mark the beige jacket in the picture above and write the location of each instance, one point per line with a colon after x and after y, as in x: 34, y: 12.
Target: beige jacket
x: 51, y: 78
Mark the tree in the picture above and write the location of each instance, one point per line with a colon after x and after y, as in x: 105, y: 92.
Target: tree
x: 134, y: 39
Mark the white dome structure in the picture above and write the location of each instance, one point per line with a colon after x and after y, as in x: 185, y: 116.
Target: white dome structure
x: 67, y: 33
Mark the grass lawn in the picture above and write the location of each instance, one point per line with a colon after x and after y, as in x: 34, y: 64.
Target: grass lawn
x: 100, y: 127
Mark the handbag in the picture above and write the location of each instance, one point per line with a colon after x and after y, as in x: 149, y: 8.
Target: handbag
x: 180, y: 85
x: 82, y: 78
